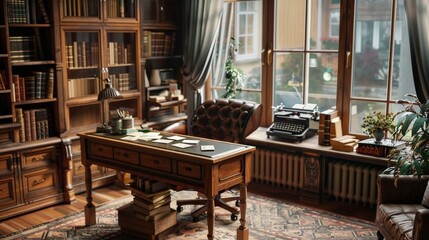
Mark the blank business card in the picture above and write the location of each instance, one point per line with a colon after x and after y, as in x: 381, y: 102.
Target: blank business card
x: 207, y: 148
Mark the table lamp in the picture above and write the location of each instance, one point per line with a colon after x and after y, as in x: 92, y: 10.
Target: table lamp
x: 106, y: 93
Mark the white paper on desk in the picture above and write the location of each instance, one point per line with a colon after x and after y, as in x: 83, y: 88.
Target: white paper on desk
x: 130, y: 138
x: 163, y: 141
x: 135, y: 134
x: 149, y: 138
x: 190, y: 141
x: 175, y: 138
x: 181, y: 145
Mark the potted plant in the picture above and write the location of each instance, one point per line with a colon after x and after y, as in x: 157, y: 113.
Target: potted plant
x: 234, y: 75
x: 413, y: 127
x: 377, y: 124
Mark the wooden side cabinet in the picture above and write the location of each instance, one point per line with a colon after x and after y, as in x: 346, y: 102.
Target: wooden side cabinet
x: 30, y: 178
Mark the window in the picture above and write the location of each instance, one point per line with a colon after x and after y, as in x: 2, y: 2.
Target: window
x: 305, y: 54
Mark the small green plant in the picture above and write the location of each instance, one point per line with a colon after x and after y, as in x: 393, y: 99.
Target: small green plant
x: 234, y: 75
x: 378, y: 120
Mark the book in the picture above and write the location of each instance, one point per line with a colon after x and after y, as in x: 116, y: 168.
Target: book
x: 382, y: 149
x: 147, y: 212
x: 127, y: 218
x: 149, y: 205
x: 20, y: 119
x: 30, y: 87
x: 150, y: 197
x: 50, y: 83
x: 324, y: 132
x: 346, y: 143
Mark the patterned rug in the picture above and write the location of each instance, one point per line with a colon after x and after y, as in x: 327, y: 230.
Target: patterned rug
x: 267, y: 219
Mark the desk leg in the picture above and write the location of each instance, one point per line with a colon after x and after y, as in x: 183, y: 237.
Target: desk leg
x: 210, y: 217
x: 89, y: 207
x: 243, y: 231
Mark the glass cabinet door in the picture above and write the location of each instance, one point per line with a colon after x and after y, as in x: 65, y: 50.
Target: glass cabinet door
x: 83, y: 64
x: 121, y: 60
x: 80, y: 8
x: 121, y: 9
x: 111, y: 10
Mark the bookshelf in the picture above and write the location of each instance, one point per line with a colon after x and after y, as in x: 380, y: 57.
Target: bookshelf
x: 29, y: 134
x: 99, y: 40
x: 160, y: 48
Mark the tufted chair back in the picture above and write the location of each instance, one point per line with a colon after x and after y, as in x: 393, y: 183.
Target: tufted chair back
x: 230, y: 120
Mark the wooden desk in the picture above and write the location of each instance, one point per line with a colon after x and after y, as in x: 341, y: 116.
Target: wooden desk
x: 208, y: 172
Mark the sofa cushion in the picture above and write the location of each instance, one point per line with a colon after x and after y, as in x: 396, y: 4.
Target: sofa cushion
x: 398, y: 218
x: 425, y: 201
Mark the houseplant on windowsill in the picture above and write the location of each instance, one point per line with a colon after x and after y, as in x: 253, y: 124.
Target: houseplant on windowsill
x: 413, y: 126
x: 234, y: 76
x: 377, y: 124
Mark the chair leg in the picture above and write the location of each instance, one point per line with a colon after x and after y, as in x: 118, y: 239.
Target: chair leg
x: 379, y: 235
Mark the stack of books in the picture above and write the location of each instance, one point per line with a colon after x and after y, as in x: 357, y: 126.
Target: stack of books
x: 329, y: 122
x: 380, y: 149
x: 149, y: 215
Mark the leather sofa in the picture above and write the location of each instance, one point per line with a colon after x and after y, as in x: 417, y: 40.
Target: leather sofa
x: 401, y: 213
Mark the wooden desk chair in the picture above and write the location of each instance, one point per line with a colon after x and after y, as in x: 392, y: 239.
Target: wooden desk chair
x: 221, y: 119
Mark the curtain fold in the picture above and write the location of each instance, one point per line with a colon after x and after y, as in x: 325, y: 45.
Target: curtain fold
x: 201, y: 24
x: 418, y: 30
x: 222, y: 45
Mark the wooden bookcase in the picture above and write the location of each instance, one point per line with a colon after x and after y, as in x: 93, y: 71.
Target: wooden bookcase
x: 99, y: 40
x: 30, y: 167
x: 161, y: 49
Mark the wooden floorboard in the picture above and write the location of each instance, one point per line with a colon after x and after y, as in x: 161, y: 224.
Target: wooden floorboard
x: 100, y: 196
x: 105, y: 194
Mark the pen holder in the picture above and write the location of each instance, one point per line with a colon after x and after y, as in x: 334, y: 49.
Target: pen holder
x: 127, y: 123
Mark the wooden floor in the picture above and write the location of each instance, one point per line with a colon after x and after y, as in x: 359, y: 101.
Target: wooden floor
x: 109, y: 193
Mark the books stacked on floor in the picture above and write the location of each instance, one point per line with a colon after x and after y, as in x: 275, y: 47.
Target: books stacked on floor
x: 150, y: 214
x: 380, y: 149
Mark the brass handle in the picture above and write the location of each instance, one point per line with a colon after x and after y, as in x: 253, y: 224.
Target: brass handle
x: 269, y: 57
x: 36, y: 182
x: 38, y: 159
x: 349, y: 54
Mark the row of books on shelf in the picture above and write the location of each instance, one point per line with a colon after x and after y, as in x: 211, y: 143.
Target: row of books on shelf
x: 39, y: 85
x: 380, y: 149
x: 123, y: 81
x: 119, y: 53
x: 84, y: 8
x: 82, y: 54
x: 27, y: 11
x: 34, y: 124
x: 120, y: 9
x: 22, y: 48
x: 3, y: 81
x: 156, y: 43
x: 150, y: 213
x: 80, y: 87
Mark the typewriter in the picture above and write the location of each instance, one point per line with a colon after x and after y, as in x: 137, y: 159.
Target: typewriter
x: 293, y: 123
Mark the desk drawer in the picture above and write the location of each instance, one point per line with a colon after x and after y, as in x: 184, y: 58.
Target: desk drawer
x: 7, y: 192
x: 155, y: 162
x: 40, y: 183
x: 100, y: 150
x: 6, y: 164
x: 127, y: 156
x: 189, y: 170
x: 40, y: 157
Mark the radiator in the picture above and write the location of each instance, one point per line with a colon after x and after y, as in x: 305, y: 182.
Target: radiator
x: 344, y: 181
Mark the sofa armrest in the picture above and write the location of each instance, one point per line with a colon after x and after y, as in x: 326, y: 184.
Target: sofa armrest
x: 421, y: 225
x: 409, y: 189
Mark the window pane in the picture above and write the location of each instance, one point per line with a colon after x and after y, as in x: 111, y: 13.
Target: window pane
x: 359, y: 109
x: 290, y: 24
x: 371, y: 48
x: 322, y: 76
x: 324, y: 25
x: 288, y: 75
x: 402, y: 75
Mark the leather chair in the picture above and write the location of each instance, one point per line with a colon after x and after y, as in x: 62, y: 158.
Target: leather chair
x: 221, y: 119
x: 400, y: 210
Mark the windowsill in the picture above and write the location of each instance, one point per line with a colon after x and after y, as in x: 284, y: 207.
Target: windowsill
x: 259, y: 139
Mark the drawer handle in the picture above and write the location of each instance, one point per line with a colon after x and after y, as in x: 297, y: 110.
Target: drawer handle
x: 38, y: 159
x: 189, y: 169
x: 80, y: 167
x: 37, y: 182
